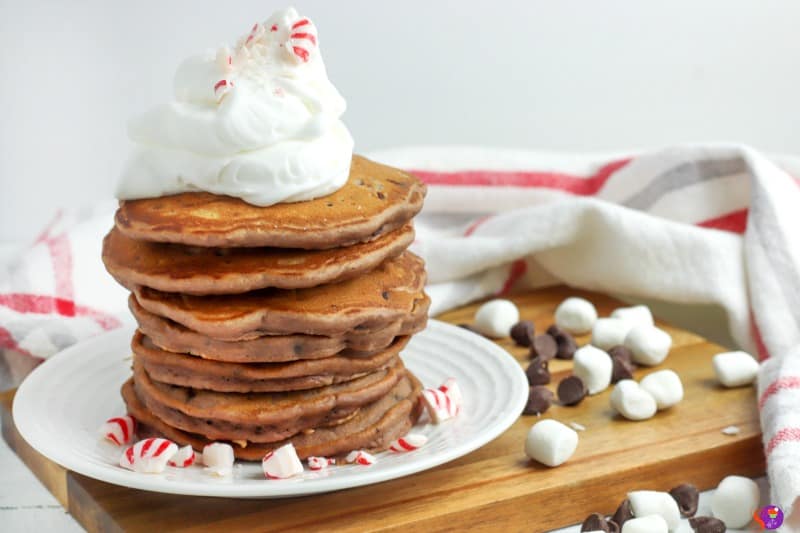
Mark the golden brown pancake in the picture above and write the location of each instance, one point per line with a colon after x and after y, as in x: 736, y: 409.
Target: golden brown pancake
x: 194, y: 372
x: 370, y: 301
x: 260, y: 417
x: 375, y: 200
x: 373, y: 428
x: 194, y: 270
x: 173, y: 337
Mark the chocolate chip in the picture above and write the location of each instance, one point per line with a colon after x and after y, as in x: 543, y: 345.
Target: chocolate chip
x: 595, y: 522
x: 686, y: 495
x: 537, y: 372
x: 565, y: 342
x: 571, y: 390
x: 621, y: 352
x: 522, y: 333
x: 539, y: 400
x: 621, y: 369
x: 707, y: 524
x: 544, y: 347
x: 623, y: 513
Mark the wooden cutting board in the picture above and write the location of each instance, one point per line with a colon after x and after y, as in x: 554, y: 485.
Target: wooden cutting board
x: 493, y: 488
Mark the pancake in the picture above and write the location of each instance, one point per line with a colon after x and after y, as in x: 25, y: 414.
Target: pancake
x: 373, y: 428
x: 194, y: 372
x: 193, y: 270
x: 260, y: 417
x: 370, y: 301
x: 375, y: 200
x: 173, y: 337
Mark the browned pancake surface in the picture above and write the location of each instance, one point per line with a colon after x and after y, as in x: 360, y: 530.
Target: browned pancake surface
x: 195, y: 270
x: 174, y: 337
x: 197, y: 373
x: 376, y: 199
x: 370, y: 301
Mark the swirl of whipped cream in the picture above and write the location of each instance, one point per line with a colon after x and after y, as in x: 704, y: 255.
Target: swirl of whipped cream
x: 259, y: 122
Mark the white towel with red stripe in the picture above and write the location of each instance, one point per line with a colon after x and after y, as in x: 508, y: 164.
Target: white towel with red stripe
x: 710, y: 224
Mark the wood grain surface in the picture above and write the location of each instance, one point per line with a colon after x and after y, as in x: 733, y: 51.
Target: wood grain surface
x: 493, y: 488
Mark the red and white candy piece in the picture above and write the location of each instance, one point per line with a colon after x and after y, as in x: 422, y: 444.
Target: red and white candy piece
x: 318, y: 463
x: 443, y: 403
x: 453, y: 391
x: 409, y: 443
x: 255, y: 35
x: 281, y: 463
x: 218, y: 458
x: 183, y: 457
x: 119, y: 430
x: 361, y: 457
x: 221, y: 88
x: 302, y: 40
x: 149, y: 456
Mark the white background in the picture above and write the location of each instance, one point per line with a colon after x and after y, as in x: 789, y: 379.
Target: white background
x: 551, y: 75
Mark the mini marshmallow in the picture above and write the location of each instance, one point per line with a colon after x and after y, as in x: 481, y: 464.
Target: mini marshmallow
x: 609, y: 332
x: 119, y: 430
x: 183, y: 457
x: 319, y: 463
x: 576, y: 315
x: 495, y: 318
x: 281, y: 463
x: 632, y: 401
x: 148, y: 456
x: 735, y: 369
x: 361, y: 457
x: 409, y: 443
x: 637, y: 315
x: 735, y: 501
x: 649, y: 345
x: 594, y: 367
x: 550, y: 442
x: 650, y: 502
x: 665, y: 387
x: 218, y: 458
x: 646, y: 524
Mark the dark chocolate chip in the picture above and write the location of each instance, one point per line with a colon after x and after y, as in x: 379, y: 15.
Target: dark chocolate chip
x: 544, y: 347
x: 564, y: 340
x: 540, y: 399
x: 522, y: 333
x: 537, y: 372
x: 621, y: 352
x: 571, y: 390
x: 623, y: 513
x: 686, y: 495
x: 620, y: 370
x: 707, y: 524
x: 595, y: 522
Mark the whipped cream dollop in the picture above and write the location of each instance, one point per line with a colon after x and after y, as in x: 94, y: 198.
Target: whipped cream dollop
x: 260, y: 121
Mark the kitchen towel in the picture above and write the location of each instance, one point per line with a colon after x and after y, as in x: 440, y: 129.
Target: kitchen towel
x: 713, y: 224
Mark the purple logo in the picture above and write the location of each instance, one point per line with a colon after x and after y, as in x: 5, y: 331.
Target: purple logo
x: 769, y: 517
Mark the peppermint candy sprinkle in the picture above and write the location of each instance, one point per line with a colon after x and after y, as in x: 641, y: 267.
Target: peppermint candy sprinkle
x: 183, y: 457
x: 361, y: 457
x: 148, y: 456
x: 221, y: 88
x: 119, y: 430
x: 281, y: 463
x: 318, y: 463
x: 444, y: 402
x: 409, y: 443
x: 302, y: 40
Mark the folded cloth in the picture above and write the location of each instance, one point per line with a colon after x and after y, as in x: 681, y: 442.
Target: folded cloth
x: 708, y: 224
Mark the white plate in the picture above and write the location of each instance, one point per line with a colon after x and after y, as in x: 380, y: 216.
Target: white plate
x: 60, y: 406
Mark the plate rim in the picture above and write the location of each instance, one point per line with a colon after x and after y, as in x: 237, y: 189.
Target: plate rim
x: 25, y: 395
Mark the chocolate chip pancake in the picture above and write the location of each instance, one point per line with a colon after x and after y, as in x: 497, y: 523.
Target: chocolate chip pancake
x: 375, y: 200
x: 173, y: 337
x: 194, y: 270
x: 260, y: 417
x: 373, y: 427
x: 197, y: 373
x: 371, y: 301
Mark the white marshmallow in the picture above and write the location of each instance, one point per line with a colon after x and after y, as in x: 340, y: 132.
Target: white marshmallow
x: 735, y: 501
x: 649, y: 345
x: 594, y: 367
x: 576, y: 315
x: 637, y: 315
x: 218, y: 457
x: 646, y: 524
x: 665, y: 387
x: 495, y: 318
x: 735, y: 369
x: 650, y: 502
x: 281, y: 463
x: 632, y: 401
x: 609, y: 332
x: 550, y: 442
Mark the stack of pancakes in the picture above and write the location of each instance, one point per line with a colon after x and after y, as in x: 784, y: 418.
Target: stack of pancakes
x: 266, y: 325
